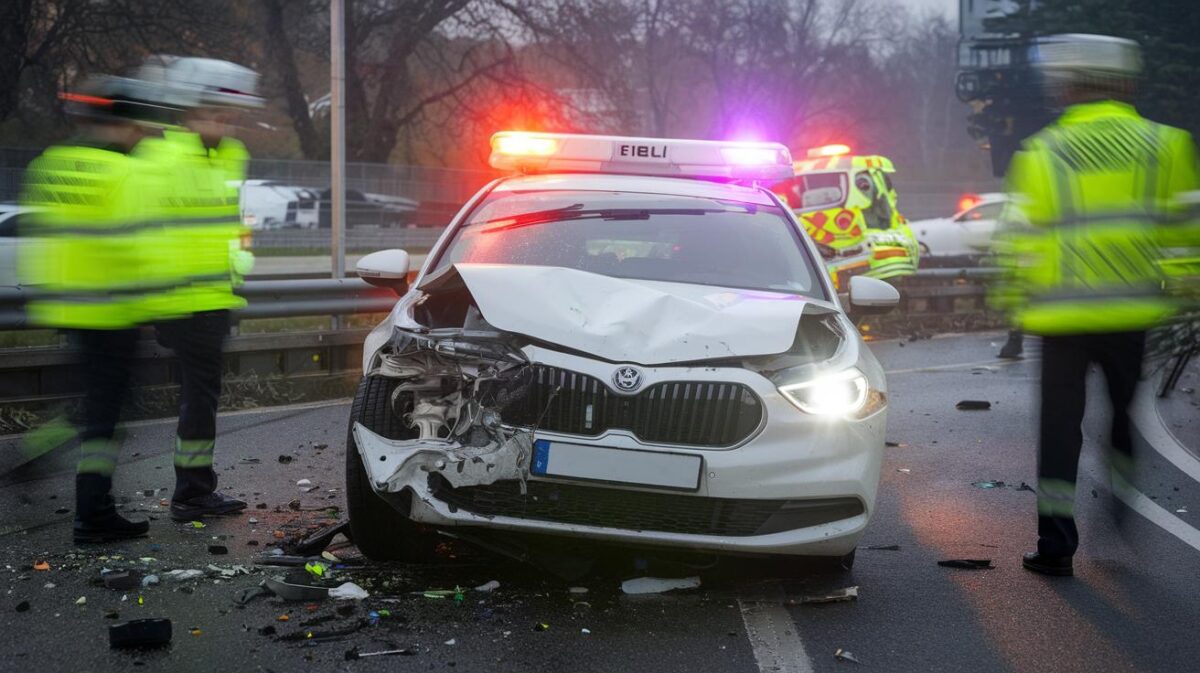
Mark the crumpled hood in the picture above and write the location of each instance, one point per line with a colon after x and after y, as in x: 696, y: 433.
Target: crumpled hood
x: 623, y: 320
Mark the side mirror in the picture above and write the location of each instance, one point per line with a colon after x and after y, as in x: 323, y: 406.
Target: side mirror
x: 869, y: 296
x: 386, y: 268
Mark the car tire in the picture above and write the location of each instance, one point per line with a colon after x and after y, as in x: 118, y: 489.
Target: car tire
x: 380, y: 531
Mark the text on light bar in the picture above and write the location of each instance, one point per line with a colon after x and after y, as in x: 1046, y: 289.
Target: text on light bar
x: 566, y: 152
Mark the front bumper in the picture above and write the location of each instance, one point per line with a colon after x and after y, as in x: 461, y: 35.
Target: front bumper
x: 811, y: 482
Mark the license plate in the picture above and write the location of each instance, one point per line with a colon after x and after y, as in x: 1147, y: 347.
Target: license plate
x: 679, y: 471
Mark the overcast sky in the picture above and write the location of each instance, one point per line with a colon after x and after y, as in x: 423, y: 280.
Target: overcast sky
x: 949, y: 7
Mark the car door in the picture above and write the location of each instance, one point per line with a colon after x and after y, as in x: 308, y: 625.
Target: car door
x: 978, y: 225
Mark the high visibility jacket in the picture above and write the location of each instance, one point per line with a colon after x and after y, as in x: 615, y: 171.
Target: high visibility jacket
x: 1098, y: 190
x: 86, y: 247
x: 199, y: 245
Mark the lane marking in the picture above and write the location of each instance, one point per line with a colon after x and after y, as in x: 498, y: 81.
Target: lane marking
x: 1156, y: 514
x: 961, y: 365
x: 1154, y: 430
x: 773, y: 635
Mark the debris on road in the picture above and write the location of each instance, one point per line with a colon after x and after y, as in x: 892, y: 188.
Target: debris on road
x: 291, y: 591
x: 218, y: 549
x: 348, y: 591
x: 451, y: 642
x: 41, y: 566
x: 883, y: 547
x: 973, y: 405
x: 904, y: 470
x: 843, y: 655
x: 197, y: 524
x: 82, y: 600
x: 488, y: 587
x: 183, y: 575
x: 577, y: 590
x: 140, y: 633
x: 23, y: 606
x: 121, y: 580
x: 658, y: 585
x: 991, y: 483
x: 353, y: 654
x: 317, y: 542
x: 541, y: 626
x: 968, y: 564
x: 285, y: 459
x: 839, y: 596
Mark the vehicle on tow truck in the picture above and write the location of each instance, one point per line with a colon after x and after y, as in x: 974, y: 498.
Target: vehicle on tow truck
x: 620, y: 343
x: 848, y: 205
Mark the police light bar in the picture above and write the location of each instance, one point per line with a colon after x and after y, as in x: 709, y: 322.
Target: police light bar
x: 573, y: 153
x: 828, y: 151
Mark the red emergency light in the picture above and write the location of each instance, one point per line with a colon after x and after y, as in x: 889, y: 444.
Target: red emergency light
x: 968, y: 201
x: 828, y: 151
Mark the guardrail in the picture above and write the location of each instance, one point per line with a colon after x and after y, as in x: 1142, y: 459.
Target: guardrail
x: 266, y: 299
x: 361, y: 238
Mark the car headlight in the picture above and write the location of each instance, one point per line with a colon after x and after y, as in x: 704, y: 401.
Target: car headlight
x: 844, y: 394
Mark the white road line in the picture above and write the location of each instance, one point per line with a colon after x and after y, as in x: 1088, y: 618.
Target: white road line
x: 961, y: 365
x: 1144, y: 413
x: 1157, y: 515
x: 773, y: 636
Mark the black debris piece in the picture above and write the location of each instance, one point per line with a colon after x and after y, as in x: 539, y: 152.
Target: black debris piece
x: 347, y: 609
x: 884, y: 547
x: 285, y: 459
x: 317, y: 542
x: 122, y: 580
x: 973, y: 405
x: 23, y: 606
x: 218, y: 549
x: 140, y: 633
x: 267, y: 631
x: 891, y: 443
x: 62, y: 510
x: 968, y: 563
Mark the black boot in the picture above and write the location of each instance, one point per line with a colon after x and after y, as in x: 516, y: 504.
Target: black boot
x: 96, y: 518
x: 1013, y: 348
x: 1048, y: 565
x: 196, y: 497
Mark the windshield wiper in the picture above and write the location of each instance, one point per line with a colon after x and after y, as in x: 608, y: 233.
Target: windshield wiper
x: 577, y: 212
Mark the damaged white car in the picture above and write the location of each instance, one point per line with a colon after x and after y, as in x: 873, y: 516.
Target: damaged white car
x: 631, y: 342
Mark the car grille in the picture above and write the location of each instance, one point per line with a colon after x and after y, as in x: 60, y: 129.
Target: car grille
x: 691, y: 413
x: 641, y: 510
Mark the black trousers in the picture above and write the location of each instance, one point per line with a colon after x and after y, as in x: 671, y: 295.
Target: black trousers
x: 198, y: 342
x: 1065, y: 361
x: 107, y: 367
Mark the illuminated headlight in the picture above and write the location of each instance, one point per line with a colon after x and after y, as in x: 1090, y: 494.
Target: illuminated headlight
x: 843, y: 394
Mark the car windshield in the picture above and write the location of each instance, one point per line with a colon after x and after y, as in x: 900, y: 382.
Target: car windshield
x: 677, y: 239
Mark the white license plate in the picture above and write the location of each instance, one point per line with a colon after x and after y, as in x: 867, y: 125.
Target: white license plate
x: 644, y: 468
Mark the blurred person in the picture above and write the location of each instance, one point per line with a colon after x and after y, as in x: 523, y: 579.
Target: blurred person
x: 202, y: 256
x: 90, y: 216
x: 1097, y: 188
x: 1013, y: 346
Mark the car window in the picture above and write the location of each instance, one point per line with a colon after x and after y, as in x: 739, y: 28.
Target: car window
x: 985, y: 211
x: 813, y: 191
x: 640, y: 236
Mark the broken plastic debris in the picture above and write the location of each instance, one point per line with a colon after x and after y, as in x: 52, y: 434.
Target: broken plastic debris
x: 838, y: 596
x: 843, y: 655
x: 904, y: 470
x: 121, y: 580
x: 488, y: 586
x: 658, y: 585
x: 23, y: 606
x: 348, y: 591
x: 285, y: 459
x: 452, y: 641
x: 197, y: 524
x: 973, y: 405
x: 183, y: 575
x: 316, y: 569
x: 318, y: 541
x: 140, y: 633
x: 541, y: 626
x: 82, y: 600
x: 304, y: 483
x: 1181, y: 510
x: 990, y: 483
x: 282, y: 618
x: 41, y: 566
x: 968, y: 563
x: 218, y: 549
x: 355, y: 654
x: 196, y: 632
x: 330, y: 557
x: 585, y: 631
x: 577, y: 590
x: 289, y: 591
x: 884, y: 547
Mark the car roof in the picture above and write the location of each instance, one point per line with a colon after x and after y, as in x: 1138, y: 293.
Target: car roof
x: 992, y: 197
x: 643, y: 184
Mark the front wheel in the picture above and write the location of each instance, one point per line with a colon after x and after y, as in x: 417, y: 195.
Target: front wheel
x: 380, y: 531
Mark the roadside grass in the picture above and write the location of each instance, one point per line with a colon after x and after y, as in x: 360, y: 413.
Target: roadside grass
x: 28, y: 338
x: 305, y: 324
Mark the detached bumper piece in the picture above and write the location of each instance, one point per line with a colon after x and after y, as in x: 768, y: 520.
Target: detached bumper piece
x: 642, y: 511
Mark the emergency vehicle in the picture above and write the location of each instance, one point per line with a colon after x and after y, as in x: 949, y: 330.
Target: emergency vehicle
x: 848, y: 205
x: 629, y: 340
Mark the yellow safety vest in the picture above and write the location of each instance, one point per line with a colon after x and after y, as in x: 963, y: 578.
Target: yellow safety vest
x: 199, y: 244
x: 84, y: 253
x: 1098, y: 189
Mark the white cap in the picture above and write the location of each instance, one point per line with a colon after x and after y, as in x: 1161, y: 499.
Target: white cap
x: 204, y: 82
x: 1077, y: 54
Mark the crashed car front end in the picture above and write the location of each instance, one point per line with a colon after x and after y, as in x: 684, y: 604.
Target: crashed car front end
x: 731, y: 452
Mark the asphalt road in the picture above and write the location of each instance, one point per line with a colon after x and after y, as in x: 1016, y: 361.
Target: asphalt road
x: 1133, y: 606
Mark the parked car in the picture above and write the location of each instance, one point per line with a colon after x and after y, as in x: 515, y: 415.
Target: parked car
x: 968, y: 233
x: 618, y: 343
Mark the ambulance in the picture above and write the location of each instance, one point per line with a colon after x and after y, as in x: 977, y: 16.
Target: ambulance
x: 847, y: 204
